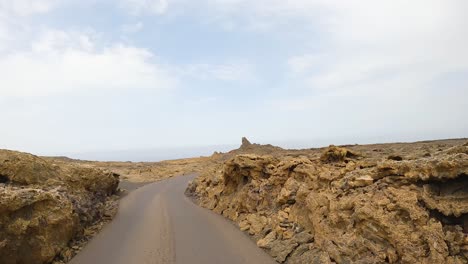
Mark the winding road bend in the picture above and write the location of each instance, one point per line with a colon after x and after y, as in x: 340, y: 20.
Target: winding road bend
x: 158, y: 224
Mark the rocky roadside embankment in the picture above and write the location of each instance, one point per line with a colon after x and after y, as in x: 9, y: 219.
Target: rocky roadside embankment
x: 48, y: 210
x: 387, y: 203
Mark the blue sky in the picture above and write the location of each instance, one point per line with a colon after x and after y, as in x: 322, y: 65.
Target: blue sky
x: 86, y: 76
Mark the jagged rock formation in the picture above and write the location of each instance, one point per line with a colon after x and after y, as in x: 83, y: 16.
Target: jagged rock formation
x: 43, y: 206
x: 394, y: 203
x: 245, y: 143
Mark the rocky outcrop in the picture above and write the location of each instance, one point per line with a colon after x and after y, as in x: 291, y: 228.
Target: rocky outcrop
x: 349, y: 204
x: 245, y: 143
x: 44, y: 206
x: 35, y: 224
x: 336, y: 154
x: 247, y: 148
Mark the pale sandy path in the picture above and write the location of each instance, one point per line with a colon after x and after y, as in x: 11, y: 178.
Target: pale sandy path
x: 158, y: 224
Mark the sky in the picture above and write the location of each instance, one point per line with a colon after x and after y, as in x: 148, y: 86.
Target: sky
x: 89, y: 76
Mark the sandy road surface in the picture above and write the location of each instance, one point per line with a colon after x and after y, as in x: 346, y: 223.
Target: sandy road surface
x: 158, y: 224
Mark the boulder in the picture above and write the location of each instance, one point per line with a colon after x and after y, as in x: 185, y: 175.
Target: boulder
x: 43, y: 206
x: 35, y: 225
x: 25, y: 169
x: 337, y: 154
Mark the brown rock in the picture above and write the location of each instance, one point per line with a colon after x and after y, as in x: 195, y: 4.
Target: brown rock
x: 23, y: 168
x: 245, y: 143
x: 280, y: 249
x: 257, y: 223
x: 267, y: 240
x: 44, y: 205
x: 289, y: 191
x: 336, y: 154
x: 337, y: 206
x: 244, y: 225
x: 42, y: 225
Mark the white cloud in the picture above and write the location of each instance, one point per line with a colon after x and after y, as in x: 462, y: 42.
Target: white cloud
x: 4, y: 37
x: 64, y: 62
x: 384, y: 48
x: 373, y: 67
x: 303, y: 63
x: 235, y: 71
x: 361, y: 45
x: 15, y: 16
x: 132, y: 28
x: 56, y: 41
x: 61, y: 62
x: 26, y: 7
x: 137, y: 7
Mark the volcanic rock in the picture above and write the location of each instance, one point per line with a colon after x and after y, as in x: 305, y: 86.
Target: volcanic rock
x: 348, y: 204
x: 44, y: 206
x: 245, y: 143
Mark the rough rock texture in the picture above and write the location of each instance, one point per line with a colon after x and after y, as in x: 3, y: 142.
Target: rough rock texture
x: 387, y: 203
x: 43, y: 206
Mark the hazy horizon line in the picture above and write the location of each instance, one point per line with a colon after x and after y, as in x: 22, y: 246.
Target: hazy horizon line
x: 156, y: 154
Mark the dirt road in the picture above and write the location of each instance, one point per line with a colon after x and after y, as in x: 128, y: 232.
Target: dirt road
x: 158, y: 224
